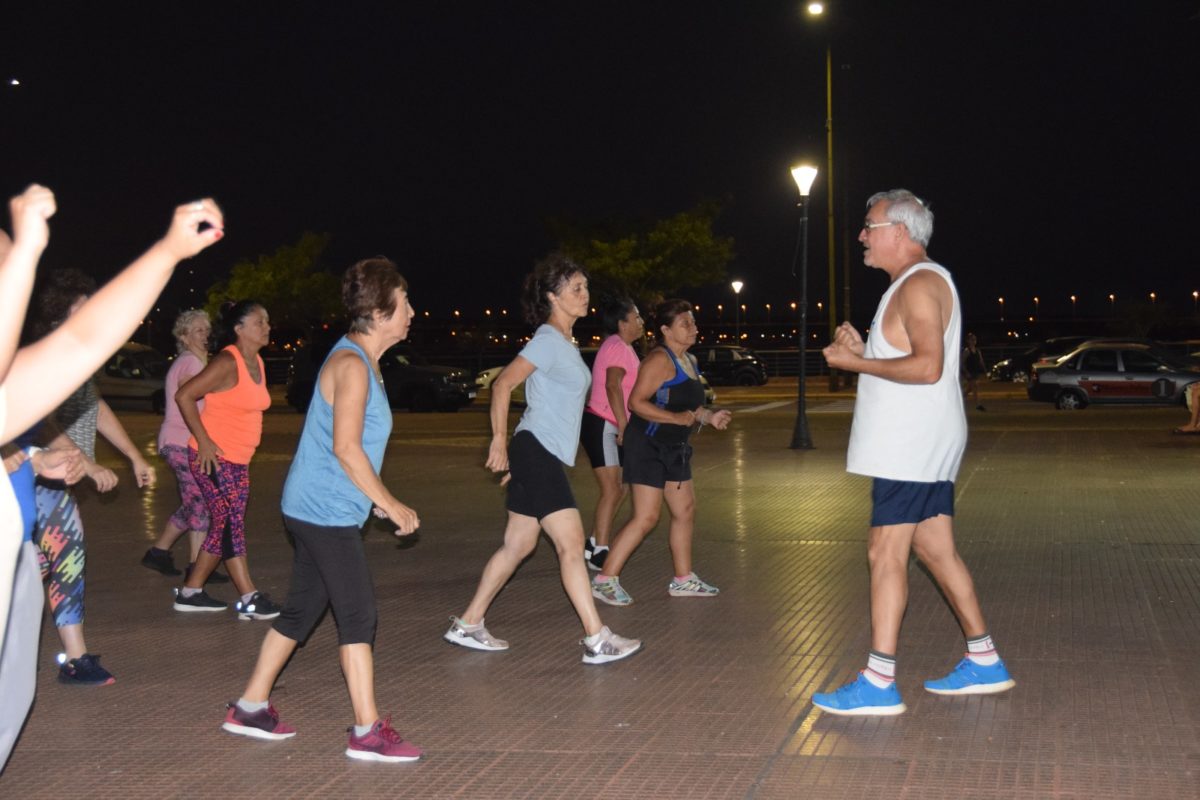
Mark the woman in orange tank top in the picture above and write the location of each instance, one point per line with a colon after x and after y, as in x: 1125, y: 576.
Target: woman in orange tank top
x: 224, y: 438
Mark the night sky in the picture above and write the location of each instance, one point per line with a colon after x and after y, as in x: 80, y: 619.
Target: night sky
x: 1057, y: 143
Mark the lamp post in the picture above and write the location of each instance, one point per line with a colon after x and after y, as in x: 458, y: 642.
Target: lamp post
x: 1036, y: 305
x: 1001, y: 299
x: 817, y: 9
x: 804, y: 176
x: 1112, y: 303
x: 737, y: 310
x: 1195, y: 301
x: 1073, y: 299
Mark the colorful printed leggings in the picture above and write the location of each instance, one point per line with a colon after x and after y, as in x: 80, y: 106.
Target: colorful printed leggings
x: 192, y: 514
x: 225, y: 493
x: 59, y: 538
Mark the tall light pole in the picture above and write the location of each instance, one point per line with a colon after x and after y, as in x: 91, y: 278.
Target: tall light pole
x: 1073, y: 299
x: 804, y: 176
x: 817, y: 9
x: 1001, y: 299
x: 737, y: 311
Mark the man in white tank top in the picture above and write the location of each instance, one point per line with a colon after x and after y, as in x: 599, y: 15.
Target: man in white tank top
x: 909, y: 433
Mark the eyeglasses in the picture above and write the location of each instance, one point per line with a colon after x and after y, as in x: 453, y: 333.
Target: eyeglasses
x: 870, y: 226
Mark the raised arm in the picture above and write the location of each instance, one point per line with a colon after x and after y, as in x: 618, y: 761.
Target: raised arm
x: 59, y: 362
x: 30, y: 211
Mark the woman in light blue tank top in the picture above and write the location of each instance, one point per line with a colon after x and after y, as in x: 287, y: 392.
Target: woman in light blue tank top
x: 331, y: 487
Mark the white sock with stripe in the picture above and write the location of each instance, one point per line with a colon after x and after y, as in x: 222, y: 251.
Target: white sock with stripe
x: 881, y: 669
x: 982, y: 651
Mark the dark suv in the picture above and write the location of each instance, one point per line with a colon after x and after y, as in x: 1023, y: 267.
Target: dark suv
x: 730, y: 365
x: 411, y: 381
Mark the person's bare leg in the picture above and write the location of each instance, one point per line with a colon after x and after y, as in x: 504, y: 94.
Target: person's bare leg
x: 612, y: 492
x: 169, y: 536
x: 358, y: 666
x: 933, y: 543
x: 888, y: 547
x: 565, y: 529
x: 520, y: 539
x: 647, y: 505
x: 195, y: 539
x: 681, y: 502
x: 237, y: 568
x: 72, y: 640
x: 272, y: 657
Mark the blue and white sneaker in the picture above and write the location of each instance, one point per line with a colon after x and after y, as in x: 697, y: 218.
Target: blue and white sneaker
x: 861, y: 698
x: 971, y: 678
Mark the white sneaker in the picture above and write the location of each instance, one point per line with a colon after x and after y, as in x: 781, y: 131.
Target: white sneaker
x: 691, y: 586
x: 475, y: 637
x: 607, y: 646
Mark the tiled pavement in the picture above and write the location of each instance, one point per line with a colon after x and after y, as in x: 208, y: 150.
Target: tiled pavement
x: 1080, y: 529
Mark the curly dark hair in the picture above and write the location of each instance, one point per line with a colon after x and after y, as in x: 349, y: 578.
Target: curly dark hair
x: 370, y: 286
x: 61, y: 290
x: 549, y: 276
x: 665, y: 314
x: 232, y: 313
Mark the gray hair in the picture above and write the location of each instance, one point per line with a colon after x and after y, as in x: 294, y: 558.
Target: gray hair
x: 184, y: 323
x: 910, y: 211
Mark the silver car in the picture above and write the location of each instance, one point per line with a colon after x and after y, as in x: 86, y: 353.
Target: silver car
x: 1112, y: 373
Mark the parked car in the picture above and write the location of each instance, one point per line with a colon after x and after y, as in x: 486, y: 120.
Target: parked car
x: 1111, y: 372
x: 730, y: 365
x: 1017, y: 368
x: 411, y: 381
x: 134, y: 373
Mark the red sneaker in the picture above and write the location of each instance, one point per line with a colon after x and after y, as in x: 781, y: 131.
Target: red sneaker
x: 262, y: 724
x: 381, y: 743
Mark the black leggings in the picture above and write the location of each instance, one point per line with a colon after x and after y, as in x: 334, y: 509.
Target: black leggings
x: 329, y: 569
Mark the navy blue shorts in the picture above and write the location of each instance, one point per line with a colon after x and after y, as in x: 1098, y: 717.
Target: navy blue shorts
x: 909, y: 502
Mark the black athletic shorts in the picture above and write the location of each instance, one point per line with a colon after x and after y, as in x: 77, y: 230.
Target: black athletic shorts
x: 538, y: 485
x: 649, y: 462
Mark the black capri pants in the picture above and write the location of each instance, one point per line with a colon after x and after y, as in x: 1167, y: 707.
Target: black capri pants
x: 328, y: 569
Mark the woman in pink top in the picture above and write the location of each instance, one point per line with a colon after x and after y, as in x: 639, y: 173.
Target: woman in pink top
x: 224, y: 438
x: 605, y: 416
x: 192, y: 329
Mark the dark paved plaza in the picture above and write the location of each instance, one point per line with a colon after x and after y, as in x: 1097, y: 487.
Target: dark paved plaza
x: 1079, y: 527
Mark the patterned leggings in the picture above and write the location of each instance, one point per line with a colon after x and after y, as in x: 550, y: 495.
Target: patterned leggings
x: 59, y: 538
x: 225, y: 493
x: 192, y: 514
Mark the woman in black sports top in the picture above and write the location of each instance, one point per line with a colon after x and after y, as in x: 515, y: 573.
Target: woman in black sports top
x: 666, y: 403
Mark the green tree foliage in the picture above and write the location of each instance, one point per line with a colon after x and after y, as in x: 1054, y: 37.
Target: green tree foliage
x: 650, y: 262
x: 288, y: 282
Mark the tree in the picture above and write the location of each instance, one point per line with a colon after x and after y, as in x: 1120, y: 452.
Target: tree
x: 289, y: 284
x: 653, y: 261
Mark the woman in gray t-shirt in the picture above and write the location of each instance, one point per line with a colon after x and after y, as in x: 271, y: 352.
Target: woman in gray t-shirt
x: 539, y: 495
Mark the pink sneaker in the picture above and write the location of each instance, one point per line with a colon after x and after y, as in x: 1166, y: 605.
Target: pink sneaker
x: 263, y: 724
x: 381, y: 743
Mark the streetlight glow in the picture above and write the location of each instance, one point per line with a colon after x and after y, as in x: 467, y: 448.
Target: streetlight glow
x: 804, y: 175
x: 816, y: 9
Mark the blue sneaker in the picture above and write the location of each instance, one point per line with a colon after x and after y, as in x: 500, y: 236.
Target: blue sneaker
x: 861, y: 698
x: 971, y: 678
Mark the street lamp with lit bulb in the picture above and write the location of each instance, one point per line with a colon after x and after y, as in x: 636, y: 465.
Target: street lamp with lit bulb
x: 804, y: 176
x: 737, y: 311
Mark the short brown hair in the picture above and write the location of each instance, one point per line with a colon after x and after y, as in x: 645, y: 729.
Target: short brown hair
x: 370, y: 286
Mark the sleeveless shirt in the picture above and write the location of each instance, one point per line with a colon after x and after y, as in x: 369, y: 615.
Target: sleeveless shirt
x: 909, y: 432
x: 681, y: 392
x: 233, y: 418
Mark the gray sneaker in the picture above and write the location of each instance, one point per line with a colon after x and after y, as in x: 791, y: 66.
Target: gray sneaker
x: 691, y: 586
x: 610, y: 592
x: 608, y: 647
x: 475, y: 637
